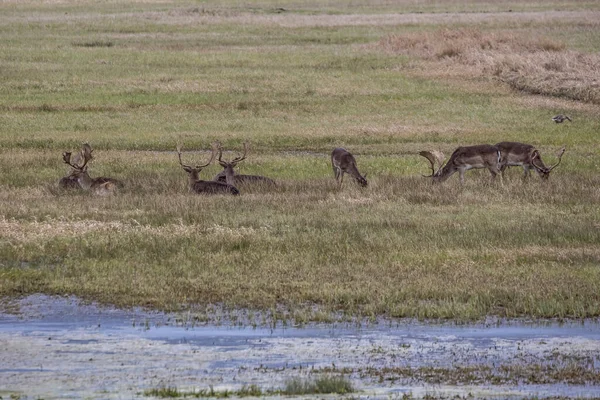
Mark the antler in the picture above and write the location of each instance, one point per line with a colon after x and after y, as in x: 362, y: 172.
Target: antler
x: 86, y: 153
x: 179, y: 155
x: 235, y: 160
x: 243, y: 157
x: 212, y: 157
x: 559, y: 154
x: 434, y: 157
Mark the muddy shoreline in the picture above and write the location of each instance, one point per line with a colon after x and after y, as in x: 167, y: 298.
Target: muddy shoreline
x: 62, y: 348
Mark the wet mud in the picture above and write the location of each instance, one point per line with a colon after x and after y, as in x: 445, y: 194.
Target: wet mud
x: 60, y: 348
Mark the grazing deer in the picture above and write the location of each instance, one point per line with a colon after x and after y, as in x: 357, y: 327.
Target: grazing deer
x: 343, y: 162
x: 464, y: 159
x: 526, y: 156
x: 197, y: 185
x: 228, y: 174
x: 100, y: 185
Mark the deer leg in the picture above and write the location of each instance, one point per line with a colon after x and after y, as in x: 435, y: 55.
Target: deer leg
x: 526, y: 171
x: 462, y: 176
x: 336, y: 172
x: 493, y: 174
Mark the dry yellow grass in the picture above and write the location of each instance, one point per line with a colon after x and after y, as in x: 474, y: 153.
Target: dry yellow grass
x: 530, y: 64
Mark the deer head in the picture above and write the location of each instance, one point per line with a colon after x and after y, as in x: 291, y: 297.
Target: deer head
x: 235, y: 161
x: 229, y: 165
x: 84, y: 156
x: 542, y: 170
x: 194, y: 171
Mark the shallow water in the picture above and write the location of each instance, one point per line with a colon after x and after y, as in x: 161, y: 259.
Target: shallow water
x: 60, y: 348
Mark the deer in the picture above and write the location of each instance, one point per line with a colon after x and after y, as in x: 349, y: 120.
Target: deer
x: 228, y: 174
x: 70, y: 181
x: 101, y: 185
x: 196, y: 185
x: 526, y: 156
x: 463, y: 159
x: 343, y: 162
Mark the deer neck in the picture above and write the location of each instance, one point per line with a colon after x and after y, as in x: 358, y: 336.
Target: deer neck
x: 229, y: 175
x: 193, y: 177
x: 84, y: 180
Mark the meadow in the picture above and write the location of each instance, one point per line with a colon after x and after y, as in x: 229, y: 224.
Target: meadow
x: 295, y: 79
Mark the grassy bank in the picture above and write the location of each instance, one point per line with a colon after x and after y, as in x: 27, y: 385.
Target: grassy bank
x: 133, y: 79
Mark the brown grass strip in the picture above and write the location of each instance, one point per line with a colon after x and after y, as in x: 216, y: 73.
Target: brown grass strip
x: 536, y: 65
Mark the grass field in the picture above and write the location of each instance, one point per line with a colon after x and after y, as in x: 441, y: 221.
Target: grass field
x: 296, y: 79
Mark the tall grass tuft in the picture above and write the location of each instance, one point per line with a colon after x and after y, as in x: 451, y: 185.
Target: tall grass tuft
x: 321, y: 385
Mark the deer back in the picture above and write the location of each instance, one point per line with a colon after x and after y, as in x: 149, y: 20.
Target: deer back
x: 478, y: 156
x: 515, y: 153
x: 214, y: 187
x: 242, y: 179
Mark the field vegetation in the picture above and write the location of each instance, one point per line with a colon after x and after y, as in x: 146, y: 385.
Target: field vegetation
x: 296, y: 79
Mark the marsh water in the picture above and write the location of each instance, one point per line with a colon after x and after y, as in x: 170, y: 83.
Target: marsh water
x: 60, y: 348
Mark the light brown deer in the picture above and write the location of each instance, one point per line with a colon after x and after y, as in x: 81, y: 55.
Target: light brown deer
x: 526, y: 156
x: 464, y: 159
x: 101, y: 185
x: 197, y: 185
x: 342, y: 163
x: 230, y: 176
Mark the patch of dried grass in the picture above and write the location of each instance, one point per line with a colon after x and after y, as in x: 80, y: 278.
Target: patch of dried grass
x: 535, y: 65
x: 20, y: 232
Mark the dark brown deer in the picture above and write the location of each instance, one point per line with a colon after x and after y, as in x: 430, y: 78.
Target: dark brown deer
x: 230, y: 176
x: 526, y: 156
x: 464, y: 159
x: 70, y: 181
x: 101, y: 185
x: 342, y: 163
x: 197, y: 185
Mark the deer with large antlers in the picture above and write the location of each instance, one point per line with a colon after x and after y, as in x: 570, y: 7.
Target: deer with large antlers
x: 231, y: 177
x: 526, y: 156
x: 101, y: 185
x: 462, y: 160
x: 343, y: 162
x: 70, y: 181
x: 197, y: 185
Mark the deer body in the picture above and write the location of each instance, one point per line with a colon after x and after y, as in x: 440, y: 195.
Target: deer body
x: 464, y: 159
x: 197, y: 185
x: 343, y: 162
x: 241, y: 179
x: 101, y: 185
x: 526, y: 156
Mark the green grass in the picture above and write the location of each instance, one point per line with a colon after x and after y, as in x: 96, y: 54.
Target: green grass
x: 297, y: 386
x: 134, y: 80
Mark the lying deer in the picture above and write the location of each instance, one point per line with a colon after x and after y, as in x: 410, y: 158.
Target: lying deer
x: 230, y: 176
x: 70, y: 181
x: 464, y: 159
x: 100, y: 185
x: 526, y: 156
x: 197, y: 185
x: 342, y: 163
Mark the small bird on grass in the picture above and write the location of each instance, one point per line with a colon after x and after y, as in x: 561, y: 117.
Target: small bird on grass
x: 561, y: 118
